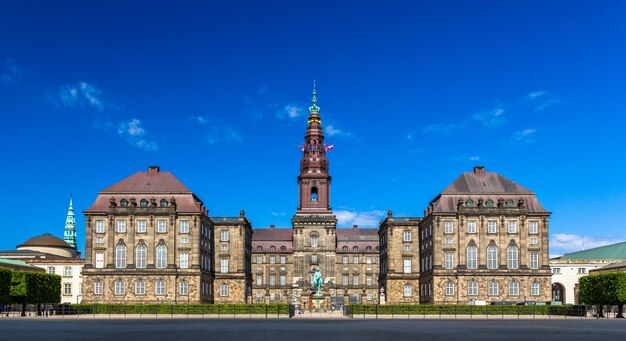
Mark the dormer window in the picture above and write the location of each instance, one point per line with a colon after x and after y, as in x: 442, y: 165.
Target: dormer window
x: 163, y: 203
x: 143, y: 203
x: 490, y: 203
x: 469, y: 203
x: 345, y: 248
x: 259, y: 248
x: 314, y: 195
x: 272, y: 248
x: 283, y: 248
x: 355, y: 248
x: 509, y: 203
x: 124, y: 203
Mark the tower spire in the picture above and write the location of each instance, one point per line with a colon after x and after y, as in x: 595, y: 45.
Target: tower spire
x: 69, y: 234
x: 314, y: 108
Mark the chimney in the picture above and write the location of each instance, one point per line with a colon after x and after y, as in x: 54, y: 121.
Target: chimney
x: 272, y: 227
x: 153, y: 169
x: 355, y: 227
x: 479, y: 170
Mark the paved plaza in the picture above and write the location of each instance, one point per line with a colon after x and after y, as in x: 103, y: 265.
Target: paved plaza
x: 307, y: 329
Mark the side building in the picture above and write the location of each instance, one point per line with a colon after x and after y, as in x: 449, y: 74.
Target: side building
x: 484, y: 239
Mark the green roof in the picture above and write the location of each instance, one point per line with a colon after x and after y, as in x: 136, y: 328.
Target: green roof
x: 613, y: 251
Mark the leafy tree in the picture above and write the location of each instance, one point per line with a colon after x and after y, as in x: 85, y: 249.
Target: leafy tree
x: 608, y: 288
x: 5, y: 285
x: 35, y: 288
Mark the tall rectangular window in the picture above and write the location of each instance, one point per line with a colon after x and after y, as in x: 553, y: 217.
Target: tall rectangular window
x: 283, y: 280
x: 67, y: 271
x: 491, y: 226
x: 448, y: 227
x: 67, y: 288
x: 313, y: 259
x: 344, y: 280
x: 272, y: 259
x: 120, y: 256
x: 259, y: 259
x: 224, y: 235
x: 184, y: 226
x: 472, y: 257
x: 161, y: 259
x: 99, y: 226
x: 224, y: 265
x: 97, y: 288
x: 355, y: 259
x: 471, y: 226
x: 368, y: 280
x: 141, y: 226
x: 345, y: 259
x: 534, y: 260
x: 512, y: 227
x: 533, y: 227
x: 159, y: 288
x: 406, y: 236
x: 224, y: 290
x: 184, y: 260
x: 272, y: 280
x: 121, y: 226
x: 99, y: 260
x: 283, y: 259
x: 407, y: 265
x: 355, y: 280
x: 449, y: 260
x: 161, y: 226
x: 259, y: 280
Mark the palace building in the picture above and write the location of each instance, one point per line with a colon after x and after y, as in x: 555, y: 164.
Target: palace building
x: 149, y: 239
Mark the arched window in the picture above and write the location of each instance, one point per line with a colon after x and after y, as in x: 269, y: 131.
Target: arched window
x: 314, y: 239
x: 140, y: 287
x: 369, y: 248
x: 140, y: 256
x: 492, y: 257
x: 513, y: 288
x: 124, y: 203
x: 408, y: 290
x: 512, y: 259
x: 314, y: 195
x: 259, y: 248
x: 509, y: 203
x: 283, y: 248
x: 159, y: 287
x: 98, y: 288
x: 490, y: 203
x: 161, y: 256
x: 449, y: 288
x: 534, y: 289
x: 143, y: 203
x: 472, y: 288
x: 469, y: 203
x: 355, y: 248
x: 120, y: 287
x: 272, y: 248
x: 472, y: 257
x: 494, y: 288
x: 183, y: 288
x: 163, y: 203
x: 120, y: 256
x: 345, y: 248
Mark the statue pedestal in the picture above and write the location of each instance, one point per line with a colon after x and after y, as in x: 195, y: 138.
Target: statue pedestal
x: 317, y: 299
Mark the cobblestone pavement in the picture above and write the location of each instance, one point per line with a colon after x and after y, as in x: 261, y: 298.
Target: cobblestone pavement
x: 147, y: 329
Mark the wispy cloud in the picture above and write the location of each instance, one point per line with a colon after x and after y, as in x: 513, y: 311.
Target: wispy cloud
x: 80, y: 94
x: 222, y: 133
x: 536, y: 94
x: 540, y: 100
x: 289, y: 111
x: 561, y: 243
x: 444, y: 129
x: 346, y: 218
x: 279, y: 214
x: 10, y: 72
x: 526, y: 135
x: 135, y: 134
x: 331, y: 130
x: 491, y: 118
x: 467, y: 158
x: 200, y: 119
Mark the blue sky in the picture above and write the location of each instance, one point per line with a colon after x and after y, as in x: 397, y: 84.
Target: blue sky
x: 412, y: 94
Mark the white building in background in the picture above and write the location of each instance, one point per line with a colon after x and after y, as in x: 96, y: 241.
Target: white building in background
x: 567, y: 269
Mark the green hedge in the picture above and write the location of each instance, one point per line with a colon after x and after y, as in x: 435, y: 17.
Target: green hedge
x: 5, y: 285
x: 34, y: 287
x: 192, y: 309
x: 429, y: 309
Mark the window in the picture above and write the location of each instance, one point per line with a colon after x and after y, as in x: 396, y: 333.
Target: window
x: 448, y: 241
x: 494, y: 288
x: 449, y: 260
x: 184, y: 240
x: 224, y: 290
x: 183, y: 288
x: 259, y: 279
x: 272, y: 248
x: 368, y: 260
x: 224, y: 235
x: 407, y: 266
x: 472, y: 288
x: 490, y: 203
x: 283, y: 280
x: 184, y: 227
x: 141, y: 226
x: 313, y: 240
x: 534, y: 241
x: 124, y: 203
x: 120, y: 256
x: 492, y: 257
x: 314, y: 195
x: 408, y: 290
x: 184, y: 260
x: 406, y: 248
x: 581, y: 270
x: 119, y: 287
x: 121, y: 226
x: 469, y: 203
x: 472, y: 255
x: 509, y: 204
x: 449, y: 288
x: 161, y: 226
x: 368, y: 280
x: 99, y: 226
x: 283, y: 259
x: 491, y: 226
x: 512, y: 261
x: 512, y: 227
x: 259, y: 259
x: 143, y: 203
x: 345, y: 248
x: 313, y: 259
x: 272, y: 296
x: 369, y: 248
x: 140, y: 256
x: 67, y: 288
x: 448, y: 227
x: 283, y: 248
x: 161, y: 259
x: 534, y: 289
x: 159, y: 287
x: 533, y: 227
x: 224, y: 265
x: 355, y: 259
x: 355, y: 280
x: 272, y: 259
x: 99, y: 260
x: 345, y: 280
x: 556, y: 270
x: 99, y: 240
x: 224, y: 247
x: 534, y: 260
x: 97, y: 287
x: 513, y: 288
x: 67, y: 271
x: 163, y: 203
x: 345, y: 259
x: 355, y: 248
x: 272, y: 280
x: 471, y: 226
x: 406, y: 236
x: 140, y: 287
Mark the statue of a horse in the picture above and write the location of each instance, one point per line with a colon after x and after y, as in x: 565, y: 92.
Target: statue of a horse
x: 317, y: 282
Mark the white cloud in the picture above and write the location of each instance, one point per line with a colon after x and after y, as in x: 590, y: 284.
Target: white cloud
x: 200, y: 119
x: 371, y: 218
x: 134, y: 133
x: 444, y: 129
x: 331, y: 130
x: 10, y: 72
x: 561, y: 243
x: 525, y: 135
x: 491, y: 118
x: 536, y: 94
x: 80, y: 94
x: 289, y: 111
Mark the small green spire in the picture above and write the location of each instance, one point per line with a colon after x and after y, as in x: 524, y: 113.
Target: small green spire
x: 314, y: 107
x: 69, y: 234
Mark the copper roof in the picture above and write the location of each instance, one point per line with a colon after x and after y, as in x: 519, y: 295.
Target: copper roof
x: 46, y: 240
x: 152, y: 181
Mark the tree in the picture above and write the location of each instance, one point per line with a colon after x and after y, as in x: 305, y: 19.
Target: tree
x: 608, y: 288
x: 5, y: 285
x: 34, y: 288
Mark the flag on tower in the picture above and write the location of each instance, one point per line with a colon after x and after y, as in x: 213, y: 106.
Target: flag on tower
x: 328, y: 148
